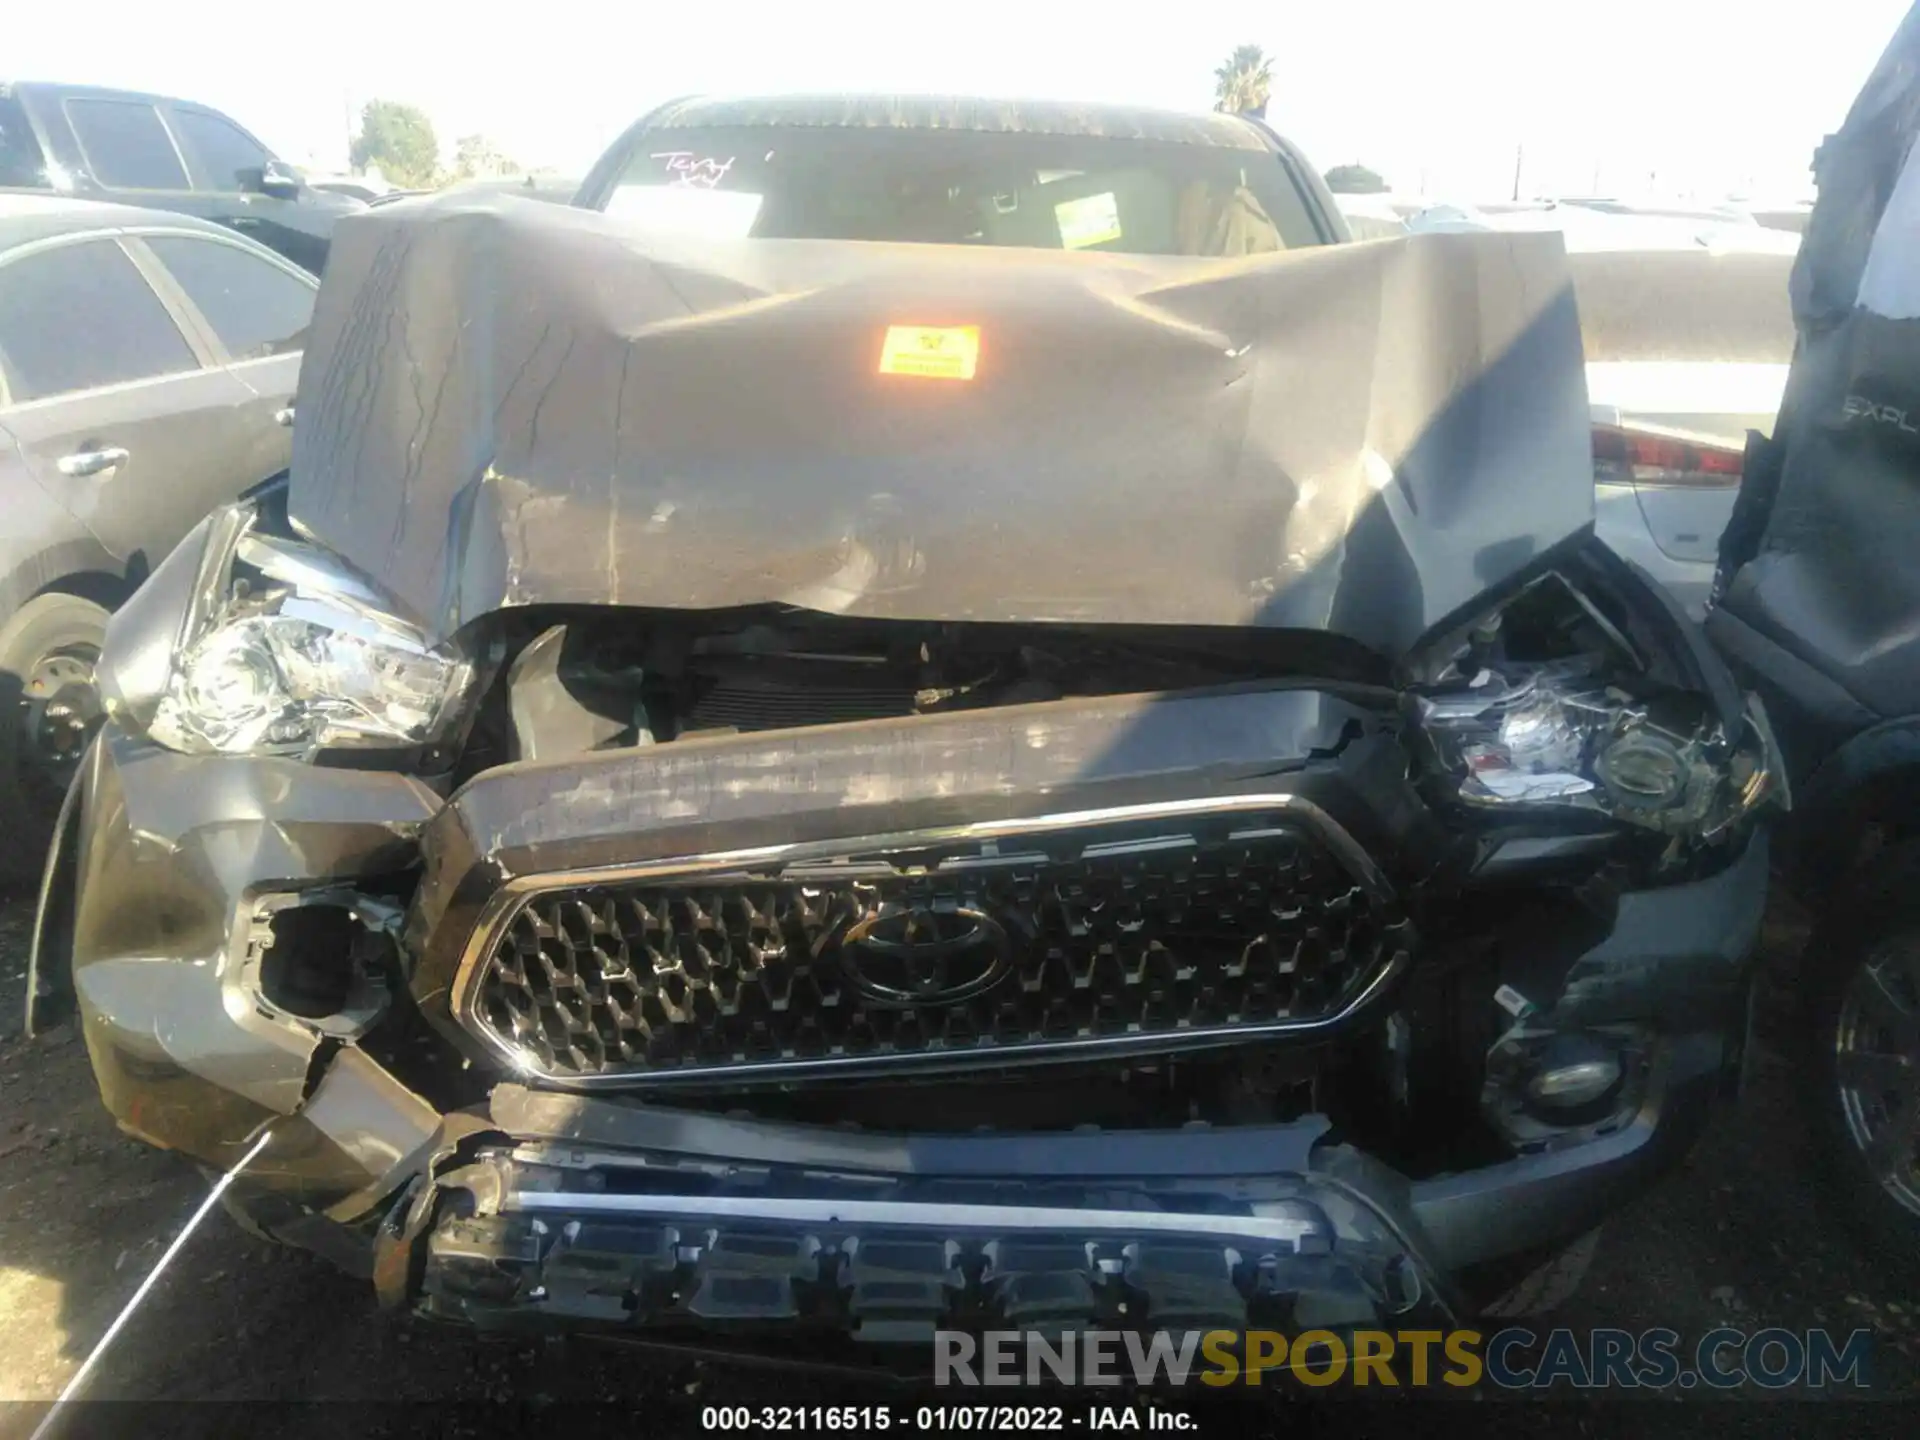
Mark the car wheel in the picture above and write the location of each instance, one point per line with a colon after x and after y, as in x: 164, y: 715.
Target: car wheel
x: 1865, y: 1091
x: 49, y: 709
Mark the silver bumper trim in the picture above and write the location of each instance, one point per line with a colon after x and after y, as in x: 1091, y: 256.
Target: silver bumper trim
x: 1288, y: 1229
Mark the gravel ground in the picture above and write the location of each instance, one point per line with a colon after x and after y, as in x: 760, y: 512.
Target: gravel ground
x: 1737, y: 1237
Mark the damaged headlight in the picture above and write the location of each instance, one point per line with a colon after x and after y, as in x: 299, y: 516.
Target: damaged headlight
x: 1557, y: 734
x: 284, y: 651
x: 1515, y: 720
x: 287, y: 684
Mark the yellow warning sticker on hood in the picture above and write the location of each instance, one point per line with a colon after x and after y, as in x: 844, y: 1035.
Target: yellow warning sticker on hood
x: 1091, y: 220
x: 939, y: 352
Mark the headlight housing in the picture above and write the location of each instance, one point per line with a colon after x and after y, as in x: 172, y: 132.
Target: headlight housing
x: 285, y: 651
x: 1546, y: 705
x: 1556, y: 734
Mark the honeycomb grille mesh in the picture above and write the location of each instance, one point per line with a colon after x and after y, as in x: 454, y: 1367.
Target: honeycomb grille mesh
x: 658, y: 976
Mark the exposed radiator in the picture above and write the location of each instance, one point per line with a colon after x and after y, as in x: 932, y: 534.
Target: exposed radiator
x: 749, y: 704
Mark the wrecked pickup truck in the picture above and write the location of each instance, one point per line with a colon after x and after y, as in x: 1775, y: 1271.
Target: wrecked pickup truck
x: 814, y: 791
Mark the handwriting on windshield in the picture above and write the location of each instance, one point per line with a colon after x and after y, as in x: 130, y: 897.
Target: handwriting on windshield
x: 697, y: 172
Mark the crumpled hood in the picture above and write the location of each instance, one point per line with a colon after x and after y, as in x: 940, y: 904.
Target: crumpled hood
x: 510, y: 403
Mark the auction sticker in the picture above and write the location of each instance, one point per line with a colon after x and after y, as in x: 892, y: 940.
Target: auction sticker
x: 939, y: 353
x: 1093, y: 220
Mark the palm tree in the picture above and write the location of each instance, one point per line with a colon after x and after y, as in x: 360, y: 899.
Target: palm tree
x: 1241, y: 86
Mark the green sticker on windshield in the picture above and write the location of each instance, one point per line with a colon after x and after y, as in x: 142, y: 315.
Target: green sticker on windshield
x: 1093, y: 220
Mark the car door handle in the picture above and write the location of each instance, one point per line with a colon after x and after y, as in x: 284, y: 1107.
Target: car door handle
x: 283, y: 416
x: 93, y: 462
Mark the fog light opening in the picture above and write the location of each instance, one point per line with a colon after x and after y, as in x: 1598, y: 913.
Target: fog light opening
x: 325, y: 959
x: 308, y: 969
x: 1573, y: 1073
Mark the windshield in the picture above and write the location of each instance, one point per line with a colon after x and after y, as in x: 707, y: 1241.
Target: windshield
x: 958, y: 187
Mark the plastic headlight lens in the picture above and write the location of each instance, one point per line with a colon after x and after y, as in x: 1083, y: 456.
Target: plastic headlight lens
x: 227, y: 694
x: 277, y: 684
x: 293, y: 657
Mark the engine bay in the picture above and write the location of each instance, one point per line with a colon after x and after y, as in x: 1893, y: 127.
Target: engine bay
x: 607, y: 680
x: 1562, y: 701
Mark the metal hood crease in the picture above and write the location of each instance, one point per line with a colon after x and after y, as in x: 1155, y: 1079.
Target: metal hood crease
x: 507, y: 403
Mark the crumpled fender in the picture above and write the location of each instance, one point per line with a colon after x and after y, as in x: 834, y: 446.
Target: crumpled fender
x: 168, y: 853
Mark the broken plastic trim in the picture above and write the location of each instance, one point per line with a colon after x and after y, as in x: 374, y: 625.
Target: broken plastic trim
x: 884, y: 1246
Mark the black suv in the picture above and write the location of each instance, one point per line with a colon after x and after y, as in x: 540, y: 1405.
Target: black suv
x: 164, y: 154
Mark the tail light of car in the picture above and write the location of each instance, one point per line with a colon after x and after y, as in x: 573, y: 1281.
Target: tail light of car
x: 1624, y: 456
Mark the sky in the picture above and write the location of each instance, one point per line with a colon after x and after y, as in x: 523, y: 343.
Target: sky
x: 1628, y: 97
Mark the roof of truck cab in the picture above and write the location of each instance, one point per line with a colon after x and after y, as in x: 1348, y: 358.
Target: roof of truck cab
x: 962, y: 112
x: 94, y: 92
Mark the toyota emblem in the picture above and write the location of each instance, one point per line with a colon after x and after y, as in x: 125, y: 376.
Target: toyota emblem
x: 912, y: 955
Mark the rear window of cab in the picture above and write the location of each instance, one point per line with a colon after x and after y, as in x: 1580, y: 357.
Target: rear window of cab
x: 956, y: 187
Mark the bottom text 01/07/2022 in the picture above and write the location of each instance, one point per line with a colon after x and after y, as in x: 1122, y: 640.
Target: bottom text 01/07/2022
x: 938, y: 1419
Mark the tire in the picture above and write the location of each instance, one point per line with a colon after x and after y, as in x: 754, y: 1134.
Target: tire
x: 1860, y: 967
x: 61, y: 635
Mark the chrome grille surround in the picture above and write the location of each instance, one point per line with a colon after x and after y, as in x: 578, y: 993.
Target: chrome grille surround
x: 730, y: 965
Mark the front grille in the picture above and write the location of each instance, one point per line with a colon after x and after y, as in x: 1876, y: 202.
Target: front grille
x: 1153, y: 944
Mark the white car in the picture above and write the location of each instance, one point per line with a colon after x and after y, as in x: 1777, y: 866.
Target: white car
x: 1371, y: 217
x: 1688, y: 332
x: 1586, y: 228
x: 1687, y: 351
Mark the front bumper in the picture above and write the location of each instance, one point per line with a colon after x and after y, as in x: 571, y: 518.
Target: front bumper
x: 515, y: 1207
x: 561, y: 1211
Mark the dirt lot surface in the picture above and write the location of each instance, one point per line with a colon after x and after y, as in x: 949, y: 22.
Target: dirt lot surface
x: 1738, y: 1237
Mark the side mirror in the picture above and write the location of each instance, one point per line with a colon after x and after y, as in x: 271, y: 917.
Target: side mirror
x: 273, y: 178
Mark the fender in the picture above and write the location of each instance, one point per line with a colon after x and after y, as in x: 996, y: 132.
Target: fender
x: 27, y: 573
x: 1872, y: 779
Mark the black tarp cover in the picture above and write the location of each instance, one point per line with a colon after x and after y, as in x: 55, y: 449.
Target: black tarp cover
x: 510, y: 403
